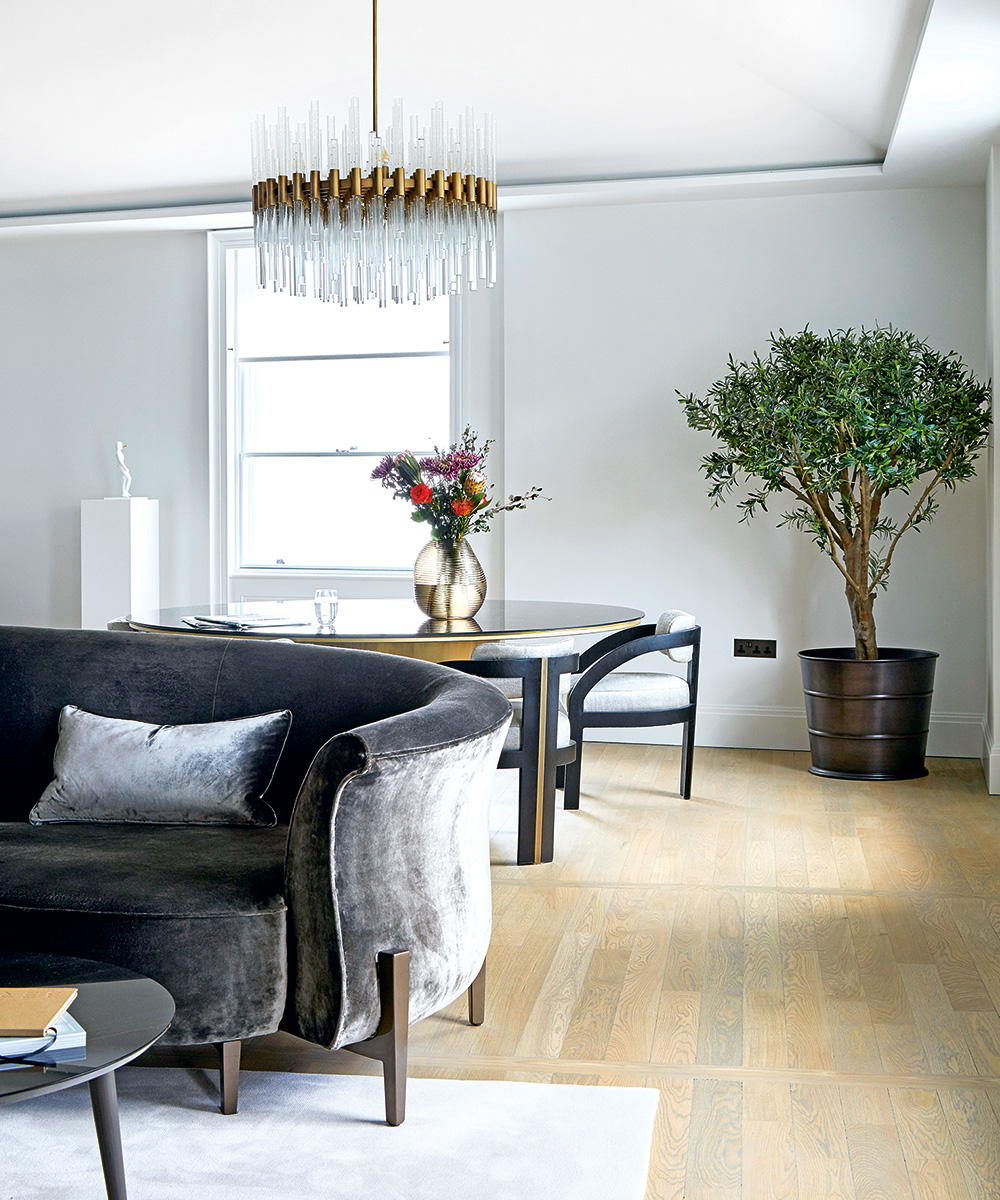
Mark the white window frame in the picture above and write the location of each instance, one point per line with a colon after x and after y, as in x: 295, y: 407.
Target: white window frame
x: 228, y: 580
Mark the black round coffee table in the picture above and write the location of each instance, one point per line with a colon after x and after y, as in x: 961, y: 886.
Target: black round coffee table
x: 123, y: 1014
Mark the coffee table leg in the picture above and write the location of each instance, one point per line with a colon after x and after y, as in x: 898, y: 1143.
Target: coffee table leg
x: 104, y: 1102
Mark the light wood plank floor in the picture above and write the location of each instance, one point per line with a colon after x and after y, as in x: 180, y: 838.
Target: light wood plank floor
x: 808, y: 970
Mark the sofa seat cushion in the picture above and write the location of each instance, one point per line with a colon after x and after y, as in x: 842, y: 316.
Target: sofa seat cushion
x: 200, y: 910
x: 159, y: 870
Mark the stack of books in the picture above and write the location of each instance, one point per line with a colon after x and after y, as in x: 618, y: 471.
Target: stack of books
x: 36, y: 1029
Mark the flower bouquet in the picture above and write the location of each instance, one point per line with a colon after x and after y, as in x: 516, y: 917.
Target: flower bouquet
x: 448, y: 490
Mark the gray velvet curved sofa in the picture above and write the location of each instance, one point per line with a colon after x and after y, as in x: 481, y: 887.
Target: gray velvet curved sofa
x: 381, y: 846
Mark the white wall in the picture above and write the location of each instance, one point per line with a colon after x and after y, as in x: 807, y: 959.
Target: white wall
x: 606, y: 311
x: 102, y: 338
x: 991, y: 748
x: 609, y: 310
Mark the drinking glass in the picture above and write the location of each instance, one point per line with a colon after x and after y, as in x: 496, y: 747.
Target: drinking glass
x: 325, y: 604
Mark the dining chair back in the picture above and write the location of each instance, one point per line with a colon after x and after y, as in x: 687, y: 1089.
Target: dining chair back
x: 530, y: 673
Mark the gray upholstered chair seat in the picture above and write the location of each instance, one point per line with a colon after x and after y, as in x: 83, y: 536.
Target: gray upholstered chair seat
x: 211, y: 899
x: 637, y: 691
x: 513, y: 739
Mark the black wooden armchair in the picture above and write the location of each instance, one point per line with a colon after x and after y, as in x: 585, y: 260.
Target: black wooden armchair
x: 538, y: 741
x: 623, y: 699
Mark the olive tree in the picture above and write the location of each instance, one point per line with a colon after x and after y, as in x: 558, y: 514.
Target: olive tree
x: 837, y: 424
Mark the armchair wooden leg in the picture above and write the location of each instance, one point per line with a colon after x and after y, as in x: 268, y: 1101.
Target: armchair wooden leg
x: 527, y: 813
x: 388, y: 1043
x: 477, y: 998
x: 571, y: 789
x: 229, y: 1075
x: 536, y: 816
x: 687, y: 759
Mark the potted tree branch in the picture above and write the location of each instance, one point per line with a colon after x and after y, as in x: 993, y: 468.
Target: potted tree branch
x: 838, y: 425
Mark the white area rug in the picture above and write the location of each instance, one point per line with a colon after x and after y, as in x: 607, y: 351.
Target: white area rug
x: 309, y: 1136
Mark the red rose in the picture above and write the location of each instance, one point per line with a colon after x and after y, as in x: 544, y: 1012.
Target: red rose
x: 420, y: 493
x: 461, y: 508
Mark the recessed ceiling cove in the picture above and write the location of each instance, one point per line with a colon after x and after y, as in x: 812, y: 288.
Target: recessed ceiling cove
x: 114, y: 102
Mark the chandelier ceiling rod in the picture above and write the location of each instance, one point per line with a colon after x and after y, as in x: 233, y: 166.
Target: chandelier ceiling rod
x: 375, y: 65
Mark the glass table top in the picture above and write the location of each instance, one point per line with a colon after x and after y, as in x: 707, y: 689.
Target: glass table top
x: 391, y: 620
x: 123, y: 1014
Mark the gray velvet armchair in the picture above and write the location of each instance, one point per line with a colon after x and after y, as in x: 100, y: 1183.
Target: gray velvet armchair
x: 365, y: 908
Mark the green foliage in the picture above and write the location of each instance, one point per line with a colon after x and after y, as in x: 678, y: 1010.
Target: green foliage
x: 838, y: 423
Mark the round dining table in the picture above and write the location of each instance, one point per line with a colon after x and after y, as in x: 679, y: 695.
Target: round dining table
x: 399, y: 627
x: 391, y: 626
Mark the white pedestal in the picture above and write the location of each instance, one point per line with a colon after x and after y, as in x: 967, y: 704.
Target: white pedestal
x: 119, y: 558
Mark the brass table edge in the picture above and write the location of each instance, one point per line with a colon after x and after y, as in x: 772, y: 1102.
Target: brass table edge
x: 350, y: 640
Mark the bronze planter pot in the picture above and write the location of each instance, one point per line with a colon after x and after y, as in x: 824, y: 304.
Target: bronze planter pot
x: 868, y: 719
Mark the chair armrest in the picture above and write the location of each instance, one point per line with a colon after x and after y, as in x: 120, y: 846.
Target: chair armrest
x: 597, y: 651
x: 315, y: 957
x: 388, y: 849
x: 622, y: 650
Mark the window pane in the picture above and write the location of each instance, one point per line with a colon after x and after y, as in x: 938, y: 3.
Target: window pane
x: 274, y: 324
x: 324, y: 512
x: 364, y: 404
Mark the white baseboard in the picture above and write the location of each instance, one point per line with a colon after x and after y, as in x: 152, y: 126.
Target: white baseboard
x: 990, y: 756
x: 759, y: 727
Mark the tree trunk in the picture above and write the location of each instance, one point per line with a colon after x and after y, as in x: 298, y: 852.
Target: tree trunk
x: 862, y: 600
x: 863, y: 620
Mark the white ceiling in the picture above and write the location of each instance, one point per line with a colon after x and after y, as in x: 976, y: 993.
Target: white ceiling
x: 115, y: 103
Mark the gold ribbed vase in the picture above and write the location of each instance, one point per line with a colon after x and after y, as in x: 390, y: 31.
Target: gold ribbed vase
x: 448, y: 582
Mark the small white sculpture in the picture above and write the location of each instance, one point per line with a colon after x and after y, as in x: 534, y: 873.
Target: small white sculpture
x: 126, y: 473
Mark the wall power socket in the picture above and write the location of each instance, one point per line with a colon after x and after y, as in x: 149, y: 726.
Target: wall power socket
x: 754, y: 648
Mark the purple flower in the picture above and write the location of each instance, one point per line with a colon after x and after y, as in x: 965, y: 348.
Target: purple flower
x: 450, y: 466
x: 384, y: 467
x: 434, y: 465
x: 465, y: 460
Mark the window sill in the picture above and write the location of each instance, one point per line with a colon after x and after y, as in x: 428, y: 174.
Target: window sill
x: 320, y: 573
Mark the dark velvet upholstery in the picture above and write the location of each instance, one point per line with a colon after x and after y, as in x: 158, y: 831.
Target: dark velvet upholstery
x: 390, y: 760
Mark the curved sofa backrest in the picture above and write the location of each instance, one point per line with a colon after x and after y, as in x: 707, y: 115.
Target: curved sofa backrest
x: 189, y: 680
x: 328, y: 690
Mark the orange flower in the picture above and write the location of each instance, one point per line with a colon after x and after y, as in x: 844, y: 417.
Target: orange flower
x: 420, y: 493
x: 461, y: 508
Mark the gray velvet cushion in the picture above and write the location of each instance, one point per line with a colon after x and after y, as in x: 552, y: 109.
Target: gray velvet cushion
x: 111, y: 769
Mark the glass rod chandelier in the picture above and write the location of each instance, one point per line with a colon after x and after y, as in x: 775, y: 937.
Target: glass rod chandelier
x: 405, y: 217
